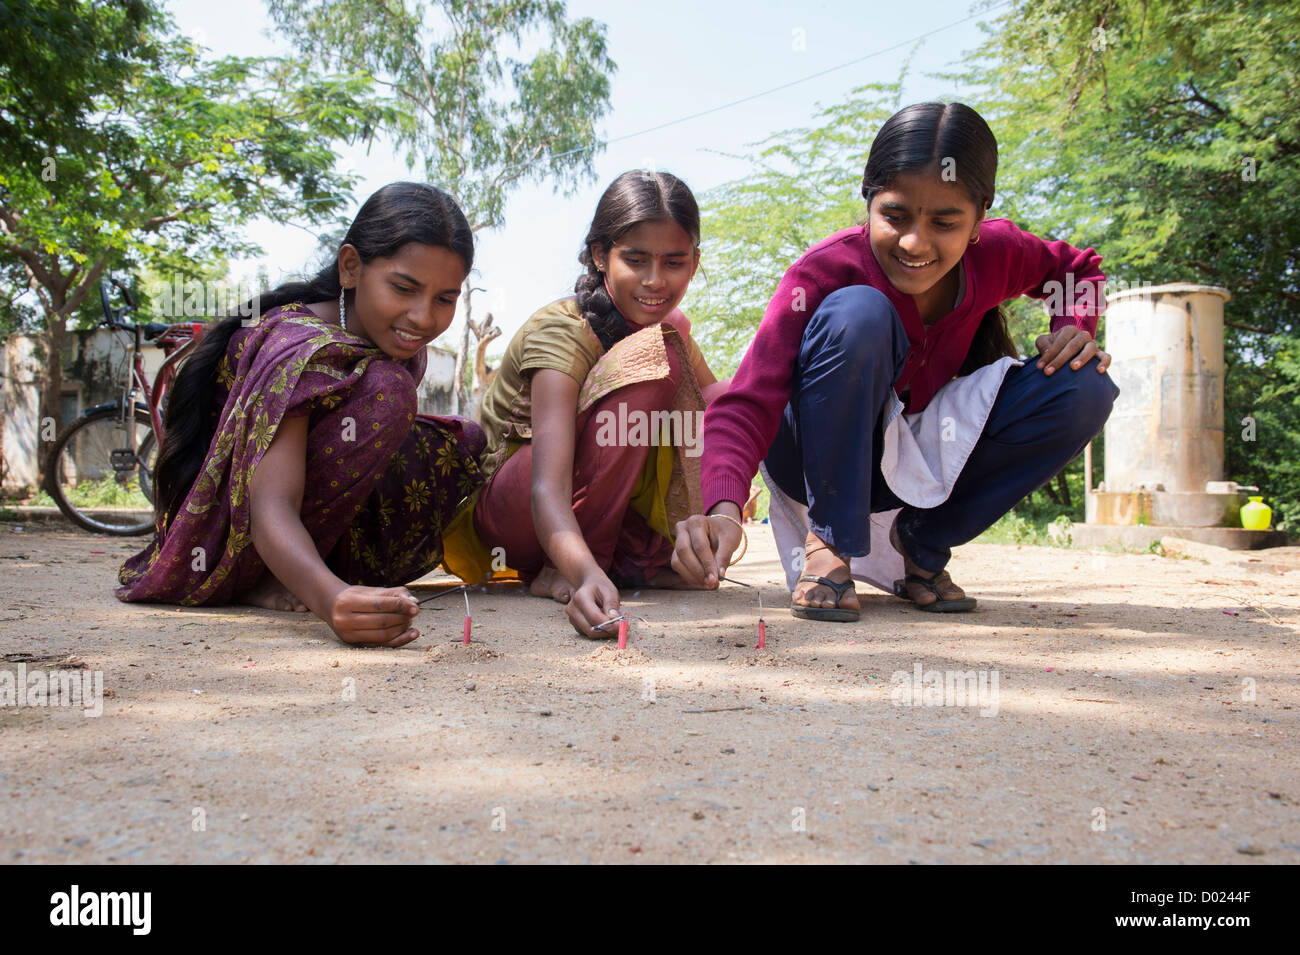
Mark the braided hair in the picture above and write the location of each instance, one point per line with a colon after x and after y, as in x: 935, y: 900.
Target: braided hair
x: 633, y: 198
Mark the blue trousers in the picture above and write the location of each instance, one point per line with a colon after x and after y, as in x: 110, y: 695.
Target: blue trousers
x: 827, y: 452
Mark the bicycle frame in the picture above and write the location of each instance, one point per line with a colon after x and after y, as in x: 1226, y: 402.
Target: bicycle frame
x: 154, y: 394
x: 177, y: 341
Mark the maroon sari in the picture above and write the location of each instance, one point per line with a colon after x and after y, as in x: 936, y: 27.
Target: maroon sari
x: 382, y: 483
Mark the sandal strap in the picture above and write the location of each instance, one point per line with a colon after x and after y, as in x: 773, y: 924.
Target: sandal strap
x: 838, y: 589
x: 932, y: 583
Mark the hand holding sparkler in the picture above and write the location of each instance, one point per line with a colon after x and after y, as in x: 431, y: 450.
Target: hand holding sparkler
x: 592, y: 605
x: 705, y: 545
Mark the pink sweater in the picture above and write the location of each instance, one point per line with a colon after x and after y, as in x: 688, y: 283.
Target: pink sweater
x: 1006, y: 263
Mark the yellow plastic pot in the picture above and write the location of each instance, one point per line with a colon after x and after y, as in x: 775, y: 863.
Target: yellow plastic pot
x: 1256, y: 516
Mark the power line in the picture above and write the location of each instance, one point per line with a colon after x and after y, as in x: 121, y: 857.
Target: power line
x: 775, y: 89
x: 737, y: 102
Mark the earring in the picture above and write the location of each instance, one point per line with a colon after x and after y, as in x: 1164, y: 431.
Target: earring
x: 342, y: 312
x: 976, y: 240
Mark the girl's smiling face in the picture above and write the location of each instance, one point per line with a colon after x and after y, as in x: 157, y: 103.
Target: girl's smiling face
x: 648, y: 269
x: 403, y: 302
x: 920, y: 227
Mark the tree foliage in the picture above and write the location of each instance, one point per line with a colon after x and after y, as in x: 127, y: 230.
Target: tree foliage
x: 803, y: 185
x: 124, y: 148
x: 477, y: 120
x: 1168, y: 135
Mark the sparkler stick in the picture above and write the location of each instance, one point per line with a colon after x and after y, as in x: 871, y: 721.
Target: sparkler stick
x: 465, y: 642
x: 443, y: 593
x: 621, y: 618
x: 762, y: 626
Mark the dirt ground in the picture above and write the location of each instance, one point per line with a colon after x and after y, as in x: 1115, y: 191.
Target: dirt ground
x: 1145, y: 711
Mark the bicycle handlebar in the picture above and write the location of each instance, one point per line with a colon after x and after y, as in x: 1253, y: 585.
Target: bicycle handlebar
x: 103, y: 301
x: 126, y: 294
x: 114, y: 319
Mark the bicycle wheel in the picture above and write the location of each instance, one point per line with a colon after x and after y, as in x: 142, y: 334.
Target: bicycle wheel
x: 148, y: 457
x: 96, y: 469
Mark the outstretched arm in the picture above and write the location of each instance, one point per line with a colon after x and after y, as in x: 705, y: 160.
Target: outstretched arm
x: 373, y: 616
x: 555, y: 413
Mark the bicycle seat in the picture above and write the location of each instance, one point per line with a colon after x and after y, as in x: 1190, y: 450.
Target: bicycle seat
x: 154, y: 329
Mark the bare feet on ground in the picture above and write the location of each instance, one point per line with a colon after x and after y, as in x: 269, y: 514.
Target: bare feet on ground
x: 270, y: 594
x: 551, y: 583
x: 918, y: 594
x: 822, y: 561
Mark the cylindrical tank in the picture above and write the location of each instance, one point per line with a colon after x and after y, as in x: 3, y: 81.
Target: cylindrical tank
x: 1166, y: 430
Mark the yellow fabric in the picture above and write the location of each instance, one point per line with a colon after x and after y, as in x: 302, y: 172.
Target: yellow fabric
x: 649, y: 496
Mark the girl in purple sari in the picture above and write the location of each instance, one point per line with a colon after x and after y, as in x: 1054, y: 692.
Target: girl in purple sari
x: 295, y: 473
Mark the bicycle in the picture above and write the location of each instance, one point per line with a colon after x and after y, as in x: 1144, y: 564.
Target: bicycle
x: 100, y: 470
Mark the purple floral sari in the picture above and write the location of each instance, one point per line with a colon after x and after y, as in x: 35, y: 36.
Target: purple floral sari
x: 382, y: 483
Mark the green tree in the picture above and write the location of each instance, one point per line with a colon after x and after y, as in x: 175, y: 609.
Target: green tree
x: 1167, y: 135
x: 157, y: 158
x: 474, y: 118
x: 803, y: 185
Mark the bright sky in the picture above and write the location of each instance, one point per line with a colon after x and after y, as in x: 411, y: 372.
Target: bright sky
x: 675, y: 58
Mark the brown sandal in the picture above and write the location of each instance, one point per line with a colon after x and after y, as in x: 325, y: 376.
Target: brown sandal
x: 939, y: 604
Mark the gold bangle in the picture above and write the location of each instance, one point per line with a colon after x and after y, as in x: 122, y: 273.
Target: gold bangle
x: 743, y: 535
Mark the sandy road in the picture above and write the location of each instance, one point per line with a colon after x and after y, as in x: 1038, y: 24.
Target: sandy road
x: 1134, y: 721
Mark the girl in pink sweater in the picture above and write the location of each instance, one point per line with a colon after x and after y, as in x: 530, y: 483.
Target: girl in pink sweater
x: 877, y: 320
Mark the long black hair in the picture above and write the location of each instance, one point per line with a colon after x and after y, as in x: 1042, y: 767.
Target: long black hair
x: 399, y: 213
x: 633, y: 198
x: 954, y: 138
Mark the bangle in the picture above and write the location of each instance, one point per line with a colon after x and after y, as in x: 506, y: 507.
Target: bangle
x: 743, y: 535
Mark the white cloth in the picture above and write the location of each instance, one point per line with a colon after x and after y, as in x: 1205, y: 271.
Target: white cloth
x: 922, y: 456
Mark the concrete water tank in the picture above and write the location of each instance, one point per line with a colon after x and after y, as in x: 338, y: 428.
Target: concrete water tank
x: 1166, y: 430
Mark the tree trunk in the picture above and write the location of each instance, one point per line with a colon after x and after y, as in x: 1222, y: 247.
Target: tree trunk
x: 462, y: 355
x: 1051, y: 492
x: 51, y: 387
x: 1064, y: 488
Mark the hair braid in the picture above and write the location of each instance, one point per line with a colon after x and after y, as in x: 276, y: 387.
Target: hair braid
x: 631, y: 199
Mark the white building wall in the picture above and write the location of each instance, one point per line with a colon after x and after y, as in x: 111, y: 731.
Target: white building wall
x: 95, y: 369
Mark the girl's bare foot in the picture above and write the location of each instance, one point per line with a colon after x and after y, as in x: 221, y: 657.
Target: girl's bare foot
x: 822, y: 561
x: 270, y: 594
x: 551, y: 583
